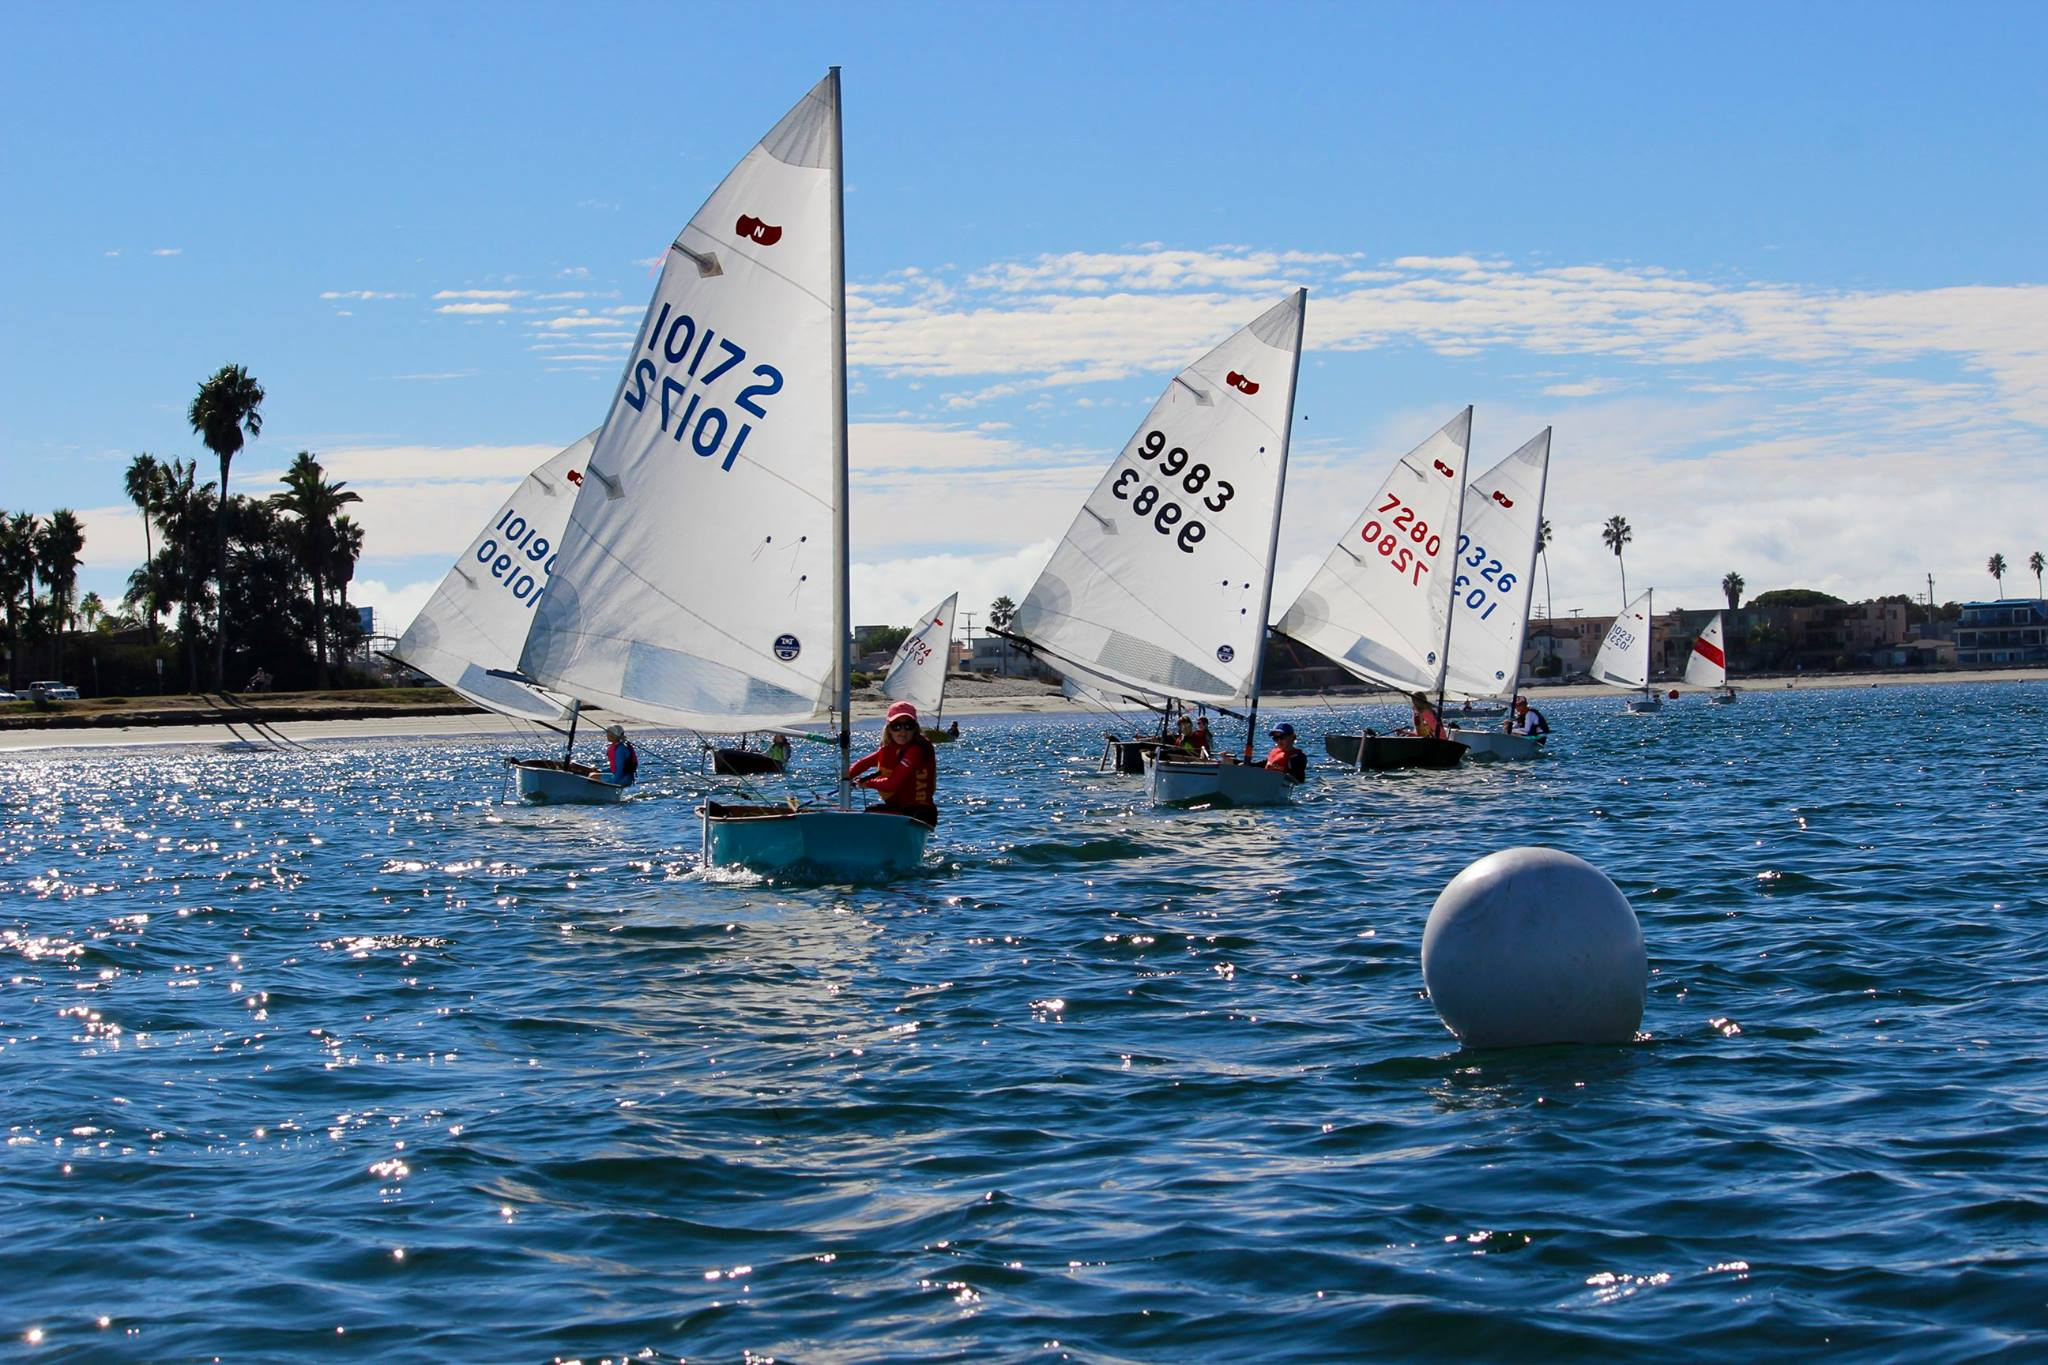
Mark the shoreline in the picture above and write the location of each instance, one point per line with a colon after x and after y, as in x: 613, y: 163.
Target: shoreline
x: 359, y: 722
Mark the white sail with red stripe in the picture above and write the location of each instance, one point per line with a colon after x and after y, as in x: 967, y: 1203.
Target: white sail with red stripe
x: 1708, y: 666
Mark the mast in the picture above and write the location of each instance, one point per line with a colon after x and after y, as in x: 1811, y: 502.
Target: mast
x: 1251, y: 720
x: 1649, y: 635
x: 842, y: 604
x: 1443, y: 662
x: 1522, y: 637
x: 575, y: 710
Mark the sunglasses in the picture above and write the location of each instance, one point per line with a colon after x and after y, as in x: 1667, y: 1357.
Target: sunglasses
x: 902, y: 725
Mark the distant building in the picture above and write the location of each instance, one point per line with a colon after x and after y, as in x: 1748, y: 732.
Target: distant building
x: 2012, y: 630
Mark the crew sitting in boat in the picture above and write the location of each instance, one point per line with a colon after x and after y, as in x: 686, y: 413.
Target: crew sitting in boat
x: 1286, y: 756
x: 1205, y: 742
x: 1185, y: 740
x: 778, y: 749
x: 1427, y: 723
x: 621, y: 759
x: 1527, y: 720
x: 906, y: 768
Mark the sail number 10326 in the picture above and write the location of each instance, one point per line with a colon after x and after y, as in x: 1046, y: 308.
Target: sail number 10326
x: 1177, y: 475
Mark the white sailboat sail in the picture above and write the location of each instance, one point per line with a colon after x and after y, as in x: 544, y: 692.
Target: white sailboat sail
x: 918, y: 672
x: 1708, y: 666
x: 1161, y: 584
x: 1496, y: 563
x: 1381, y: 602
x: 1624, y: 657
x: 699, y: 576
x: 475, y: 624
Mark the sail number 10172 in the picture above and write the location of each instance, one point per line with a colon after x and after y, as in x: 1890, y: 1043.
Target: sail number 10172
x: 1176, y: 476
x: 677, y: 339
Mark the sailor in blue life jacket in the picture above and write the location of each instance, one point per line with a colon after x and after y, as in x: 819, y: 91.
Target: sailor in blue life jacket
x: 621, y: 759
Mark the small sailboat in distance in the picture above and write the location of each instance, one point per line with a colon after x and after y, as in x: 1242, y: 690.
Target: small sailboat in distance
x: 703, y: 577
x: 469, y: 634
x: 1708, y: 666
x: 918, y: 672
x: 1624, y: 657
x: 1162, y: 584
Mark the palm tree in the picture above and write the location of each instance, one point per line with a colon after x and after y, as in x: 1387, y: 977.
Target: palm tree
x: 1995, y: 566
x: 341, y: 569
x: 185, y: 516
x: 229, y: 406
x: 2037, y: 563
x: 1543, y: 553
x: 1617, y: 534
x: 1731, y: 588
x: 317, y: 503
x: 1000, y: 613
x: 143, y: 483
x: 17, y: 583
x: 57, y: 551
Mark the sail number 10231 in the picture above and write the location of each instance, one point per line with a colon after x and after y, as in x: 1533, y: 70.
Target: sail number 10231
x: 1177, y: 475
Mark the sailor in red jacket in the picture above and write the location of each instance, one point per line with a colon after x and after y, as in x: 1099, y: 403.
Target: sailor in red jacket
x: 906, y: 768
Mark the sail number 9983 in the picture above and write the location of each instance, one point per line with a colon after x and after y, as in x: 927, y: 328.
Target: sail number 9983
x: 1178, y: 475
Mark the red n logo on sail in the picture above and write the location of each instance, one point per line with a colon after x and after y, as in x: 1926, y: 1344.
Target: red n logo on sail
x: 767, y: 234
x: 1241, y: 383
x: 576, y: 477
x: 1444, y: 469
x: 1503, y: 499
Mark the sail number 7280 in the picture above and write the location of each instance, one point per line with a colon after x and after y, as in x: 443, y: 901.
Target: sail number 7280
x: 1411, y: 559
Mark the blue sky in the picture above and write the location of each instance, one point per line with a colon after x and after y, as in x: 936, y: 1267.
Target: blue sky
x: 1773, y: 272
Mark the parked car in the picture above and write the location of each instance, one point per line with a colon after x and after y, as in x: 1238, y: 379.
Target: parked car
x: 52, y: 691
x: 5, y: 695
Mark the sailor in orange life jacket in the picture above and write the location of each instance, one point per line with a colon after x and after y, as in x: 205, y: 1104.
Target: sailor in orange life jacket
x: 1428, y: 723
x: 906, y: 768
x: 1286, y: 756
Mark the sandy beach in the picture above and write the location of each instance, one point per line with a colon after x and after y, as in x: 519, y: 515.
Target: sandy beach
x: 977, y: 697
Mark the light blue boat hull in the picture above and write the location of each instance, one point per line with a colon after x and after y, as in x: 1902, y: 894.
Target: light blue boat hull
x: 552, y: 786
x: 857, y: 845
x: 1170, y: 783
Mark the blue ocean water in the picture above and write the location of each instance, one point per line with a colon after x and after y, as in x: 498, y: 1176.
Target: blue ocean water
x: 332, y: 1053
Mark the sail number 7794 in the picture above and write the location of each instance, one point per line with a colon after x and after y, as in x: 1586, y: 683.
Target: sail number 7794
x: 698, y: 358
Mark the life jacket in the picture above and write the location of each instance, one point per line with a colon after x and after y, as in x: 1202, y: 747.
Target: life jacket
x: 623, y: 761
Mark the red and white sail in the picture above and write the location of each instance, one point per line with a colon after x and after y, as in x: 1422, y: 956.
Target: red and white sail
x: 1708, y: 666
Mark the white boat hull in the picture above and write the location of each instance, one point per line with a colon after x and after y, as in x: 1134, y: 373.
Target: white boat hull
x: 1645, y: 705
x: 1170, y: 783
x: 546, y: 783
x: 1498, y: 744
x: 853, y: 844
x: 1721, y: 698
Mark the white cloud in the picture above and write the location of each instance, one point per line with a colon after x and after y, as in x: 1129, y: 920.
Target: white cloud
x: 168, y: 251
x: 395, y: 605
x: 364, y: 294
x: 481, y: 294
x: 474, y: 308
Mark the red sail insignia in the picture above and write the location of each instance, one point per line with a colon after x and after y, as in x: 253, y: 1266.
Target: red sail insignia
x: 1503, y: 499
x: 1241, y: 383
x: 1711, y: 652
x: 1444, y: 469
x: 767, y: 234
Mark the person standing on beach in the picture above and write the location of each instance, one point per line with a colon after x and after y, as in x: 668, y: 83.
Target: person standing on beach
x: 906, y: 768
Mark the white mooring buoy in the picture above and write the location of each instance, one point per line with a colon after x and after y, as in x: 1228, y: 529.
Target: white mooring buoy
x: 1533, y: 945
